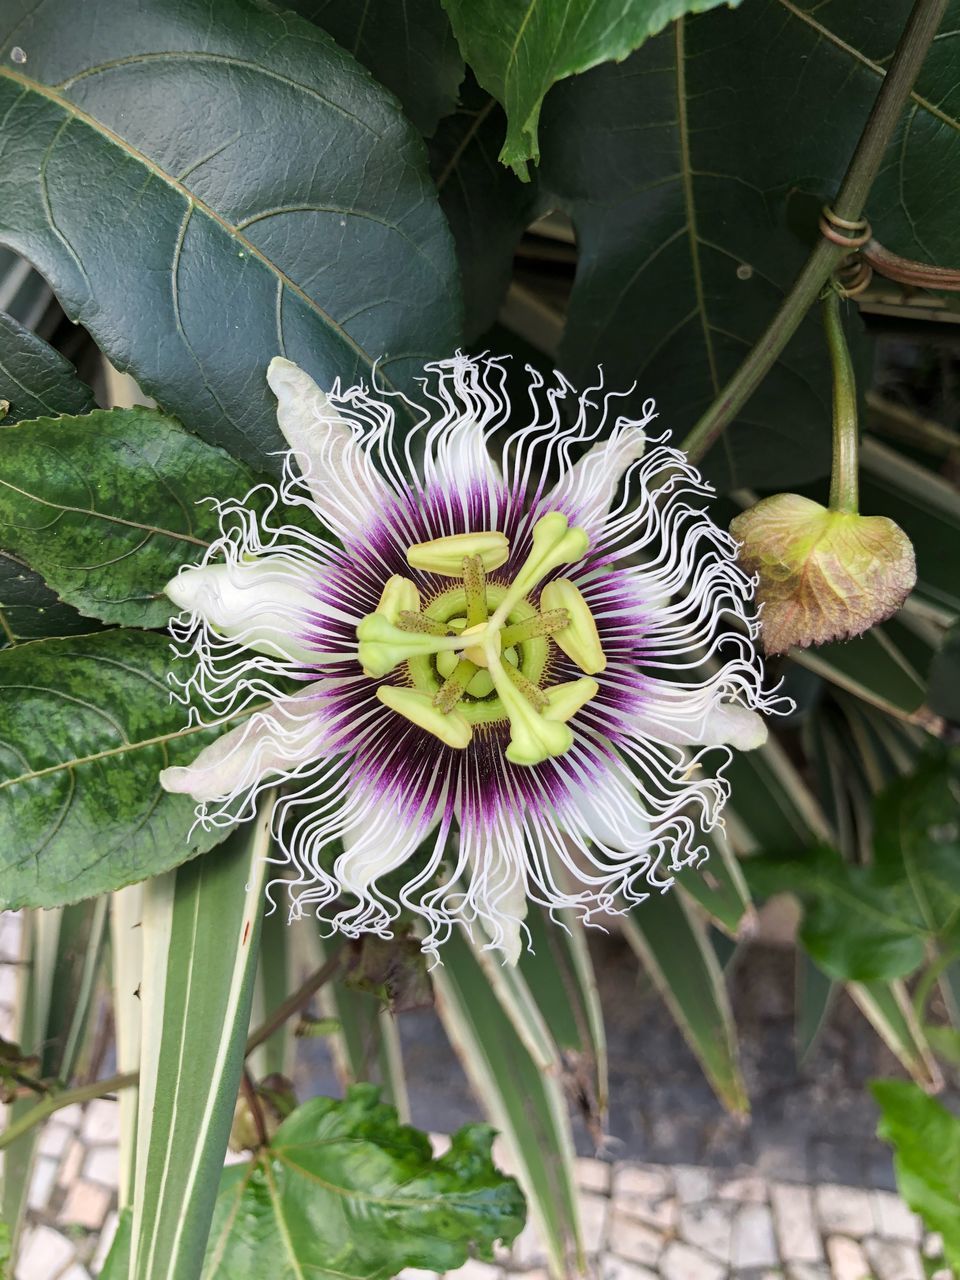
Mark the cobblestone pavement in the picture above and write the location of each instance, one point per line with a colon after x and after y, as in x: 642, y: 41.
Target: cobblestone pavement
x: 748, y: 1205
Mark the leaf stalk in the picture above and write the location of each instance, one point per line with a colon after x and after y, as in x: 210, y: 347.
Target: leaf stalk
x: 844, y: 472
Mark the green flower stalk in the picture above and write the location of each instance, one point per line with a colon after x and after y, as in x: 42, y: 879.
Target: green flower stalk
x: 825, y: 573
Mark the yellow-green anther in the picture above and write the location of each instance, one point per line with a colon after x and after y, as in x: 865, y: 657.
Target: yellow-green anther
x: 565, y: 700
x: 446, y: 555
x: 475, y: 589
x: 419, y: 622
x: 455, y: 685
x: 542, y: 624
x: 384, y: 646
x: 533, y: 693
x: 532, y: 738
x: 451, y: 728
x: 399, y: 595
x: 580, y: 640
x: 554, y: 544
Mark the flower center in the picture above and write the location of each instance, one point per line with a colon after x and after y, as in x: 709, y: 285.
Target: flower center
x: 480, y: 652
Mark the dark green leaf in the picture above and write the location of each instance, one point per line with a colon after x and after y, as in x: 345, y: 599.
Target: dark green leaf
x: 298, y: 217
x: 87, y: 726
x: 408, y: 46
x: 518, y: 51
x: 695, y: 203
x: 345, y: 1190
x: 35, y: 379
x: 917, y: 839
x: 109, y: 506
x: 29, y: 610
x: 486, y: 205
x: 855, y: 926
x: 926, y: 1139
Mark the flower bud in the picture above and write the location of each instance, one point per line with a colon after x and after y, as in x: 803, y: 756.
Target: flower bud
x: 822, y: 575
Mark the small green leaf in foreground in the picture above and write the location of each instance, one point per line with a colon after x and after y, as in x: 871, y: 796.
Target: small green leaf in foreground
x: 926, y: 1140
x: 108, y: 506
x: 519, y: 50
x: 346, y: 1190
x: 87, y: 726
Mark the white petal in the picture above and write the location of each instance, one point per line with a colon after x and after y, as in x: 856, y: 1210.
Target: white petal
x: 498, y: 890
x: 609, y: 812
x: 697, y: 715
x: 337, y: 471
x: 290, y: 734
x: 266, y: 603
x: 375, y: 839
x: 588, y: 488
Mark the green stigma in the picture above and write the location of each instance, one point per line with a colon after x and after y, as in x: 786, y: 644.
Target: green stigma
x: 480, y: 652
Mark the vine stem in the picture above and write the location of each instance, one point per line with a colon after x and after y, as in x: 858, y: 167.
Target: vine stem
x: 911, y: 50
x: 55, y: 1101
x: 101, y: 1088
x: 844, y: 477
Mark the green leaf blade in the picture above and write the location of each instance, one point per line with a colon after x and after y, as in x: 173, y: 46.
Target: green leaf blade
x: 88, y: 725
x: 519, y: 51
x: 239, y: 244
x: 345, y: 1190
x: 109, y: 506
x: 34, y: 378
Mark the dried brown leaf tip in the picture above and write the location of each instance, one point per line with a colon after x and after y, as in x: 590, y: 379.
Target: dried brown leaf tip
x: 822, y: 575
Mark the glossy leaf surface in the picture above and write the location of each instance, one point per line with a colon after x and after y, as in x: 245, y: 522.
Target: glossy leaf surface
x: 344, y: 1189
x: 35, y: 379
x: 297, y: 219
x: 409, y: 47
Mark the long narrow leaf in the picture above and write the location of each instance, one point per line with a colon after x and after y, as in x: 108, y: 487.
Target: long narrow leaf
x: 888, y: 1008
x: 126, y: 944
x: 670, y: 939
x: 201, y: 938
x: 526, y: 1104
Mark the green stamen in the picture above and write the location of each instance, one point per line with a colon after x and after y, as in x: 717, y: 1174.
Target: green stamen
x: 470, y: 666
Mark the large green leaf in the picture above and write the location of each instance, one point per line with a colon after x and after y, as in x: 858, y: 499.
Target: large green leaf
x: 35, y: 379
x: 201, y: 927
x: 109, y: 506
x: 345, y: 1190
x: 408, y: 46
x: 926, y: 1140
x: 87, y: 726
x: 694, y: 173
x: 518, y: 50
x: 298, y: 217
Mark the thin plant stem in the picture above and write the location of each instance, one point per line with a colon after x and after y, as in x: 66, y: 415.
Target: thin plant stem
x: 101, y: 1088
x: 916, y: 39
x: 844, y: 472
x: 56, y: 1101
x: 294, y: 1003
x: 249, y: 1091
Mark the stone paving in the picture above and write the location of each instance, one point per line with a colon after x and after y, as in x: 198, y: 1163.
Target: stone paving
x: 724, y: 1216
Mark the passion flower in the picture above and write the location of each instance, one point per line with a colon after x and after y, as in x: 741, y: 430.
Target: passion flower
x: 510, y: 664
